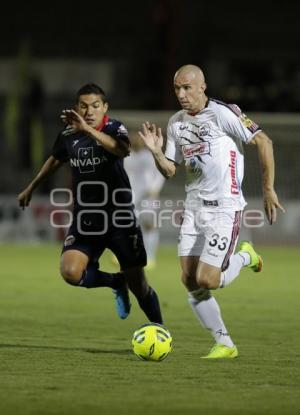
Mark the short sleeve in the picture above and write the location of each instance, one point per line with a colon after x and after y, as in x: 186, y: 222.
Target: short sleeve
x: 119, y: 132
x: 173, y: 151
x: 236, y: 124
x: 59, y: 150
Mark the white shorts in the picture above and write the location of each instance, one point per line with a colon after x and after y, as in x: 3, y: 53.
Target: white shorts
x: 212, y: 236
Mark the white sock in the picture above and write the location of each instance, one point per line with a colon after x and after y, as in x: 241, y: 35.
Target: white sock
x: 209, y: 315
x: 151, y: 241
x: 237, y: 262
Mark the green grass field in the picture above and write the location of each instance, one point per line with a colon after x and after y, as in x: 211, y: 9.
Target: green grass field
x: 65, y: 351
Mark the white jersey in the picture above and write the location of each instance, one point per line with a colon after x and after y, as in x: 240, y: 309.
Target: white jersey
x: 210, y: 144
x: 144, y: 177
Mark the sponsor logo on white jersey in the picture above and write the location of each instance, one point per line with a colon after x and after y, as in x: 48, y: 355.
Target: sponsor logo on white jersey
x: 197, y: 149
x: 234, y: 184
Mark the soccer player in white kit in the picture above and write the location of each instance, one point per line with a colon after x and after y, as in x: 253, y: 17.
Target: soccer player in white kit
x: 207, y: 135
x: 146, y: 182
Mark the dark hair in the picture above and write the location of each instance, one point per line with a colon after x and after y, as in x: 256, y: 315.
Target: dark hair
x: 91, y: 89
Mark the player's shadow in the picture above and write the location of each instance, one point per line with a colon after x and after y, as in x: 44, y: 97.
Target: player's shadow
x: 65, y: 349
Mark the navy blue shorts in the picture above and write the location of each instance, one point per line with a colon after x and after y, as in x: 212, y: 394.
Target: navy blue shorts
x: 126, y: 243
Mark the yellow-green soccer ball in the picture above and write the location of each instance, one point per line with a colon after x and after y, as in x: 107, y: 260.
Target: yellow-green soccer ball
x: 152, y: 342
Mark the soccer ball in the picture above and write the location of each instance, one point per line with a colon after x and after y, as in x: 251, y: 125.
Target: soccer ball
x: 152, y: 342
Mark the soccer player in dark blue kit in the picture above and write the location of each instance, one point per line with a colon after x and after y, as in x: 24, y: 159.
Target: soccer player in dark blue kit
x: 103, y: 212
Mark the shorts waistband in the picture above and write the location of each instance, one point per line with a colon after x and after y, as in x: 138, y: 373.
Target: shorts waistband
x: 195, y: 204
x: 210, y: 202
x: 198, y: 203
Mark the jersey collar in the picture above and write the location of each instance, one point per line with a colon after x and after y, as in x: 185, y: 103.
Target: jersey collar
x: 192, y: 114
x: 103, y: 123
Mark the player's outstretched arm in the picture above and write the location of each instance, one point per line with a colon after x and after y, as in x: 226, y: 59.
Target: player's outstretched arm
x: 49, y: 166
x: 153, y: 139
x: 266, y: 158
x: 117, y: 147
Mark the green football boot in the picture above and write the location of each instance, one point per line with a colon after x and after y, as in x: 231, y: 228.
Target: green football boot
x: 220, y: 351
x: 256, y: 262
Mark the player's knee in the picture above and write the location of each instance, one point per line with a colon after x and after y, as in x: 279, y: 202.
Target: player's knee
x: 208, y: 282
x: 70, y: 274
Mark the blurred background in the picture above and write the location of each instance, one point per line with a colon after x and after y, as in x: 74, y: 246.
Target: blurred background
x: 249, y: 54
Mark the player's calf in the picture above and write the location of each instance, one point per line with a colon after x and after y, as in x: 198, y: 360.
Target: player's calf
x: 189, y: 280
x: 137, y: 282
x: 145, y: 295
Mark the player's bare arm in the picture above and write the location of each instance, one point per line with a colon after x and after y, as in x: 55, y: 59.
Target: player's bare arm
x: 116, y: 147
x: 266, y: 158
x: 49, y: 167
x: 153, y: 140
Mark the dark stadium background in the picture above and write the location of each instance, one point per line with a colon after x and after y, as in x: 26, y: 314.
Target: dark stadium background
x: 242, y: 45
x: 248, y: 51
x: 62, y: 349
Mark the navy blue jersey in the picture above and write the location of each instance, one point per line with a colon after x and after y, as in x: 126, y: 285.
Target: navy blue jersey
x: 100, y: 181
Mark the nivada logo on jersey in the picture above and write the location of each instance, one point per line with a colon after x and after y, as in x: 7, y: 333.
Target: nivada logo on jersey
x: 86, y: 161
x: 197, y: 149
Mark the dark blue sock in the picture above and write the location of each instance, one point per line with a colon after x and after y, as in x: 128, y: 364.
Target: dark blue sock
x: 150, y: 306
x: 92, y: 278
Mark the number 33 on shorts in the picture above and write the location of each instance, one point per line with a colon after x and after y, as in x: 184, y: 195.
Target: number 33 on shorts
x: 219, y: 242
